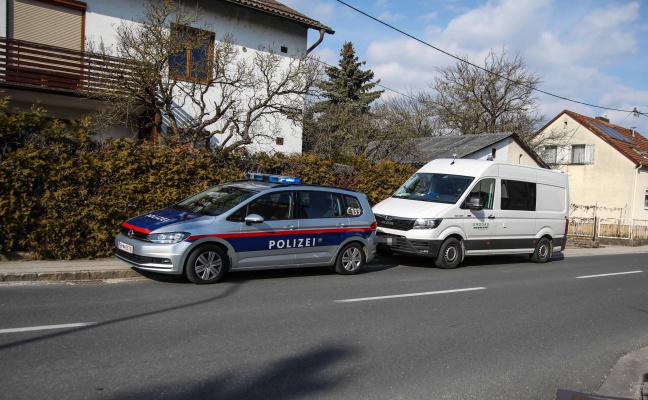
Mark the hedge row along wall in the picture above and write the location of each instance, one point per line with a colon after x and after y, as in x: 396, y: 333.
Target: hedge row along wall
x: 64, y: 195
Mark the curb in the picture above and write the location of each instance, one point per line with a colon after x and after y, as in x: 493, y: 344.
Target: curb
x: 84, y: 275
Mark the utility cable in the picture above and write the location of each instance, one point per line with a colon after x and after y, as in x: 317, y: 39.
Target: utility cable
x: 482, y: 68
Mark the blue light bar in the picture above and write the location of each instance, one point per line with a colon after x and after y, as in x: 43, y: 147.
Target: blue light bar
x: 286, y: 180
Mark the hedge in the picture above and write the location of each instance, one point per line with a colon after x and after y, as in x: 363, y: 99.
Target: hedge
x: 64, y: 195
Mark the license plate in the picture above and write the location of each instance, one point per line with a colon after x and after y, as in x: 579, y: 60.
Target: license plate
x: 125, y: 246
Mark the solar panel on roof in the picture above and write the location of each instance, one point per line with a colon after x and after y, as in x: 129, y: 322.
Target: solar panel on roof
x: 613, y: 133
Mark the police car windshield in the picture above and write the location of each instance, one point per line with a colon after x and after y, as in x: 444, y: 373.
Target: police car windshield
x: 439, y: 188
x: 215, y: 201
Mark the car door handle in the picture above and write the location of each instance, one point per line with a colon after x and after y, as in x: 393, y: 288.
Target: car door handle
x: 290, y: 227
x: 491, y: 217
x: 341, y: 225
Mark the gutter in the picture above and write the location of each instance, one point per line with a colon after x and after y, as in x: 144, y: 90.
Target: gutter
x: 322, y: 33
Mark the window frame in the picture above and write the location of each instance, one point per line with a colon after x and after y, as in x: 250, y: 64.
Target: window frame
x: 188, y: 54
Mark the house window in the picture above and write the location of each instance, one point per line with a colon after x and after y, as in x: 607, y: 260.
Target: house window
x: 279, y: 141
x: 646, y: 201
x: 550, y: 153
x: 578, y: 154
x: 195, y: 62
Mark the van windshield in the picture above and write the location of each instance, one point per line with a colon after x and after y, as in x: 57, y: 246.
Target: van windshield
x: 216, y: 200
x: 439, y: 188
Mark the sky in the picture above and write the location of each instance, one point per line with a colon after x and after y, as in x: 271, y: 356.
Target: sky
x: 590, y: 51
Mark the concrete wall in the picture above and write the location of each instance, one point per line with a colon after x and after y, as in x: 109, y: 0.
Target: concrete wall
x: 608, y: 183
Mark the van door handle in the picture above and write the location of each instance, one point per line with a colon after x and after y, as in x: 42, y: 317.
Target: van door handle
x: 289, y: 227
x: 491, y: 217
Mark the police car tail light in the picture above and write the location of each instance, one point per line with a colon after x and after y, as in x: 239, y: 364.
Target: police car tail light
x: 374, y: 226
x: 286, y: 180
x: 168, y: 237
x: 426, y: 223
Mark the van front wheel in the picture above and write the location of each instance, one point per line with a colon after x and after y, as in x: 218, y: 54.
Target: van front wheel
x: 450, y: 254
x: 543, y: 251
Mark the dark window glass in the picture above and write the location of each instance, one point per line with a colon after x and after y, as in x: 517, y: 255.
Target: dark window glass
x: 485, y: 189
x: 271, y: 206
x: 517, y: 195
x: 353, y: 207
x: 316, y: 204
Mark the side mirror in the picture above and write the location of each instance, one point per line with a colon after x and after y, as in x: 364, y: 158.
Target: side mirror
x: 475, y: 203
x: 253, y: 219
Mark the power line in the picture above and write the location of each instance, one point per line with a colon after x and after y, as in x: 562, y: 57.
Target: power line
x: 484, y: 69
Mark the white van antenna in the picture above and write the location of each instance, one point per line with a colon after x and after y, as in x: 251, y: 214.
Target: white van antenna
x: 454, y: 157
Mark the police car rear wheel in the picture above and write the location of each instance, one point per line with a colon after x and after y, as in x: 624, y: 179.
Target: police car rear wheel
x: 350, y: 260
x: 450, y: 254
x: 206, y: 264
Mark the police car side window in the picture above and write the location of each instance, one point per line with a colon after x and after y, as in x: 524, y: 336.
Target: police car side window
x: 353, y: 207
x: 271, y: 206
x: 319, y: 204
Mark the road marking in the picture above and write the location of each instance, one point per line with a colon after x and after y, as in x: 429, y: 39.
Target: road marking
x: 46, y: 327
x: 409, y: 295
x: 617, y: 273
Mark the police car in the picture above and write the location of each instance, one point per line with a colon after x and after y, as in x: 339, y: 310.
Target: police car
x: 265, y: 222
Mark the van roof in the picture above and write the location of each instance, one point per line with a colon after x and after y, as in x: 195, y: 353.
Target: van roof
x: 468, y: 166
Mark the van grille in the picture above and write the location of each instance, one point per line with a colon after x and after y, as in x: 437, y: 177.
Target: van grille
x: 401, y: 224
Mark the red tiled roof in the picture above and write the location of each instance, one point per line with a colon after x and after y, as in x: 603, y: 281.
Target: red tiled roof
x: 635, y: 149
x: 273, y: 7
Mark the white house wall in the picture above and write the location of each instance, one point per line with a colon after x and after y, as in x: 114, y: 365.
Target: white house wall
x: 507, y: 151
x: 608, y: 183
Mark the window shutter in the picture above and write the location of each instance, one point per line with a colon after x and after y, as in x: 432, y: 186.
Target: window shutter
x: 563, y: 154
x: 47, y: 23
x: 589, y: 154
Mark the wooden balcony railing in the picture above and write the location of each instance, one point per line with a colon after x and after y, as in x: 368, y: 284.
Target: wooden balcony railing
x: 37, y: 66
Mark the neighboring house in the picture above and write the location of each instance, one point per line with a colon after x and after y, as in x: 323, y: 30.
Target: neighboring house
x: 42, y: 44
x: 607, y: 165
x: 503, y: 147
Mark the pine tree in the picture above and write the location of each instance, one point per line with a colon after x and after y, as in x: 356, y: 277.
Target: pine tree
x: 349, y: 85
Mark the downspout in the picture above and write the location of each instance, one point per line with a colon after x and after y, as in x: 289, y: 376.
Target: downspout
x: 322, y: 33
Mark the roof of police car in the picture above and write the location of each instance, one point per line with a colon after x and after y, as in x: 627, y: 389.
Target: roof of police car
x: 261, y: 186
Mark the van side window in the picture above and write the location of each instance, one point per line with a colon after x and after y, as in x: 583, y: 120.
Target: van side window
x: 518, y: 195
x: 485, y: 189
x: 272, y: 206
x: 353, y: 207
x: 316, y: 204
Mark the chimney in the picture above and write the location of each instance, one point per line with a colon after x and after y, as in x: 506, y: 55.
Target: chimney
x: 603, y: 118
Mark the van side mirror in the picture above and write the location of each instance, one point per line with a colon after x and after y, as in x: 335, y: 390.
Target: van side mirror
x: 253, y: 219
x: 475, y: 203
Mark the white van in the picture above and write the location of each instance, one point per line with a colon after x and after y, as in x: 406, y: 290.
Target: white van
x: 454, y: 208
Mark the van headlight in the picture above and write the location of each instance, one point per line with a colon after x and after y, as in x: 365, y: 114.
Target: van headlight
x: 168, y: 237
x: 427, y: 223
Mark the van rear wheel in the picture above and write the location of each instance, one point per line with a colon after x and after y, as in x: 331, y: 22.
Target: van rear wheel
x: 543, y: 251
x: 450, y: 254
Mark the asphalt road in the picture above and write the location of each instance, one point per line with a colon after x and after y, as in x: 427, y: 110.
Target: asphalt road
x: 497, y: 328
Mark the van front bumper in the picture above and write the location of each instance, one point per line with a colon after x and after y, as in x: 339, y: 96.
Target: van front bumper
x: 401, y: 244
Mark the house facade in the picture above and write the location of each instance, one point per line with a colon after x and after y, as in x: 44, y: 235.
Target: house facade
x: 607, y: 165
x: 42, y: 57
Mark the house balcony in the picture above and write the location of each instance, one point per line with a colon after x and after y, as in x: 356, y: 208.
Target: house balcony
x: 29, y: 66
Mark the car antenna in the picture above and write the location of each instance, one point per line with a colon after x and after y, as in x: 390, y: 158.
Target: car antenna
x: 454, y: 157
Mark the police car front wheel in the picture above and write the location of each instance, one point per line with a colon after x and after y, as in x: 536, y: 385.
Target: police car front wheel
x: 350, y: 260
x: 206, y: 264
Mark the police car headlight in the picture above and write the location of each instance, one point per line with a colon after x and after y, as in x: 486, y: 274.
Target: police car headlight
x: 168, y: 238
x: 426, y: 223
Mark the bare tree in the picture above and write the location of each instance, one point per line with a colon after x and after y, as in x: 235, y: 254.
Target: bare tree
x: 400, y: 121
x: 496, y: 98
x: 192, y: 87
